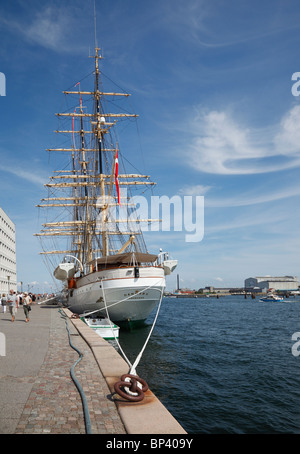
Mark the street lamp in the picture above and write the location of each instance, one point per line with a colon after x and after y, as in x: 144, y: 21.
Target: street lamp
x: 8, y: 279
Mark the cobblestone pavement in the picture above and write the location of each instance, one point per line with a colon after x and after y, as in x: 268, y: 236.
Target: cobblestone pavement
x: 54, y: 404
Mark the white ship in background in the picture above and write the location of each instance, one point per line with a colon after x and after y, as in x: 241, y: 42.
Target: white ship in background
x: 102, y: 258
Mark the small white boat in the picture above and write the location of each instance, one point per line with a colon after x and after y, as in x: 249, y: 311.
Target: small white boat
x: 271, y: 298
x: 103, y: 327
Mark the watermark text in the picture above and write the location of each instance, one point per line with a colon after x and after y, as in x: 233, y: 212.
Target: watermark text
x: 2, y: 84
x: 2, y: 345
x: 159, y: 213
x: 296, y: 345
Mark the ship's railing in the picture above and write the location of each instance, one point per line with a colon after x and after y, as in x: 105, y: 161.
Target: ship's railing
x: 162, y: 256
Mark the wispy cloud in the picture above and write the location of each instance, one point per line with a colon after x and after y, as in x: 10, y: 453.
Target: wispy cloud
x: 20, y: 172
x: 247, y: 221
x: 201, y: 23
x: 198, y: 189
x: 222, y: 146
x: 49, y: 27
x: 254, y: 198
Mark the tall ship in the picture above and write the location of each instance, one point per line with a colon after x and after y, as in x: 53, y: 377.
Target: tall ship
x: 93, y: 235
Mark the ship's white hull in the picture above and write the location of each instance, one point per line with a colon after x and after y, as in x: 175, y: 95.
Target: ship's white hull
x: 127, y: 298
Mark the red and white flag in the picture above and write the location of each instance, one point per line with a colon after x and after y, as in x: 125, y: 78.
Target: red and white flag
x: 116, y: 175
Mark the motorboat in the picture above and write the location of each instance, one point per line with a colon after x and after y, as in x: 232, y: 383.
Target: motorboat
x: 272, y: 298
x: 103, y: 326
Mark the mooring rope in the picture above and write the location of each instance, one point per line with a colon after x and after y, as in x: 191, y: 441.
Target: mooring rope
x: 130, y: 380
x: 134, y: 387
x: 134, y: 365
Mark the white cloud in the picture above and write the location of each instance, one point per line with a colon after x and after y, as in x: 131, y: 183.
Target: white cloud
x: 197, y: 189
x: 287, y: 141
x: 47, y: 28
x: 50, y: 27
x: 29, y: 175
x: 245, y: 221
x: 222, y: 146
x: 260, y: 196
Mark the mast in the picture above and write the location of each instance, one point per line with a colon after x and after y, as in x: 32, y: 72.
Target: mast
x: 87, y: 190
x: 80, y: 240
x: 97, y: 98
x: 99, y: 136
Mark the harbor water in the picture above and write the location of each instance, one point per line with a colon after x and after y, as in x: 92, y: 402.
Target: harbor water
x: 223, y: 365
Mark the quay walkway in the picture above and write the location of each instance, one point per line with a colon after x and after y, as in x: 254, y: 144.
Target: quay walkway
x: 38, y: 395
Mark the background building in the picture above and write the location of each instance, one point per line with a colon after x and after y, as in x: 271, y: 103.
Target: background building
x: 8, y: 261
x: 264, y: 283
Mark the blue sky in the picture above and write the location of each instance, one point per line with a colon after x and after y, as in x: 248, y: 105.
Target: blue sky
x: 211, y: 81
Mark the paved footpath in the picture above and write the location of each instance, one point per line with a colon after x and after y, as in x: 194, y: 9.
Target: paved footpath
x: 37, y: 393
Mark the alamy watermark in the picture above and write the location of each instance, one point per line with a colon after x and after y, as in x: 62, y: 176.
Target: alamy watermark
x: 296, y: 336
x: 2, y: 345
x: 296, y: 85
x: 2, y: 84
x: 160, y: 213
x: 296, y: 345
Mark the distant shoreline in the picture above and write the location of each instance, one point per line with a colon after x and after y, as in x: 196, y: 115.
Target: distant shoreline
x: 217, y: 295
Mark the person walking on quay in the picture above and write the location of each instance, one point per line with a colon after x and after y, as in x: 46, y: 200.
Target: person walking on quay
x: 12, y: 304
x: 20, y: 299
x: 26, y: 305
x: 3, y: 302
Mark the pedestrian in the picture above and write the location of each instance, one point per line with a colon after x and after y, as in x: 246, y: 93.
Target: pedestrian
x: 3, y: 302
x: 12, y: 304
x: 20, y: 299
x: 26, y: 305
